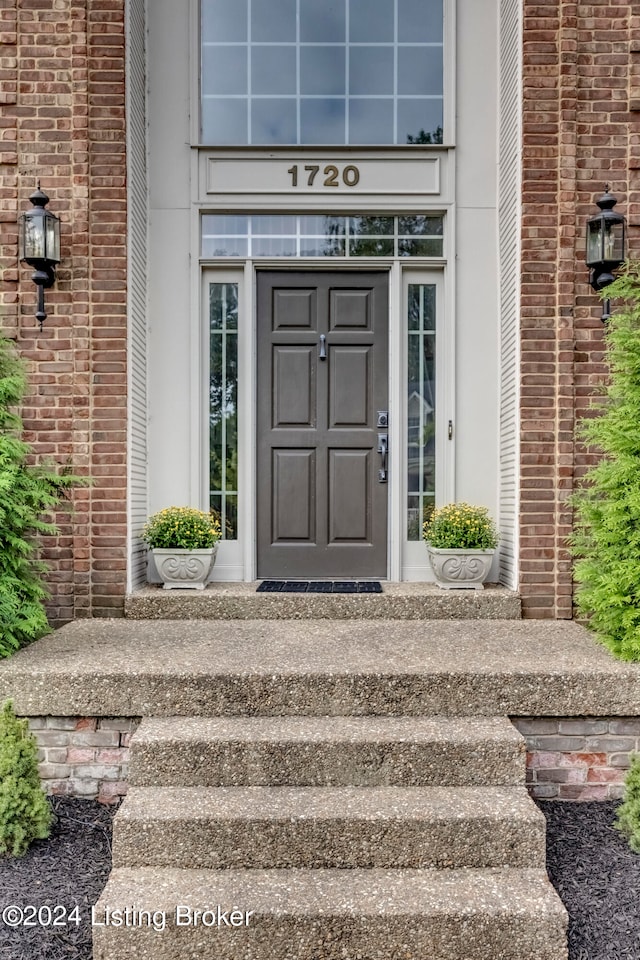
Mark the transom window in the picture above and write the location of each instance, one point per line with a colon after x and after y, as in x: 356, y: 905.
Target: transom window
x: 321, y: 72
x: 321, y: 236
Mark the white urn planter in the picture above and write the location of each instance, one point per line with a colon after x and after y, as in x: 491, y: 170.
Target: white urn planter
x: 181, y: 569
x: 461, y: 569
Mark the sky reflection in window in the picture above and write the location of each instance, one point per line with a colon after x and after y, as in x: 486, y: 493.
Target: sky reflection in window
x: 303, y: 71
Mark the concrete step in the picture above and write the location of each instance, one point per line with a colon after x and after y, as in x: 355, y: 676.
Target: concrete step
x: 501, y: 914
x: 326, y: 751
x: 521, y: 668
x: 398, y: 601
x: 318, y: 827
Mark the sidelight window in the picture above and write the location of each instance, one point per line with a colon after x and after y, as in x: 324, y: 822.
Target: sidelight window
x: 223, y: 405
x: 421, y: 406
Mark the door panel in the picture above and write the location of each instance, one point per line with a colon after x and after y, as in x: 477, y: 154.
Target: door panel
x: 350, y: 388
x: 349, y: 498
x: 322, y: 376
x: 293, y: 308
x: 350, y: 309
x: 293, y: 492
x: 294, y: 393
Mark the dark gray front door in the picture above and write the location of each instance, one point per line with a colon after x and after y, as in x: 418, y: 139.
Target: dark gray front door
x: 322, y: 378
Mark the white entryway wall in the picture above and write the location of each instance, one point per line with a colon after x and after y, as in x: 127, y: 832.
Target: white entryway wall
x: 468, y: 275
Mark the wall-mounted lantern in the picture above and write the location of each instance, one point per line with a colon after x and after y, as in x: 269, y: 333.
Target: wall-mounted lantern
x: 39, y: 239
x: 605, y: 245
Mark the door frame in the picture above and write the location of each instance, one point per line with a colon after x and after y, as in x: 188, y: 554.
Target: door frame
x: 237, y: 560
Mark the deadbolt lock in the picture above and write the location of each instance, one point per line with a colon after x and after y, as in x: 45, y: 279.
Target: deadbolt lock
x: 383, y: 418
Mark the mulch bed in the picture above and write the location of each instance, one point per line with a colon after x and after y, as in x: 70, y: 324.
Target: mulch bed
x: 589, y: 862
x: 69, y: 868
x: 598, y: 878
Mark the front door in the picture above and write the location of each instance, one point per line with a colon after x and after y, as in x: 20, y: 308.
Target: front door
x: 321, y: 457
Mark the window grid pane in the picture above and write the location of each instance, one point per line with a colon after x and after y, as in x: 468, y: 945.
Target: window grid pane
x: 322, y: 236
x: 223, y: 405
x: 348, y: 72
x: 421, y: 406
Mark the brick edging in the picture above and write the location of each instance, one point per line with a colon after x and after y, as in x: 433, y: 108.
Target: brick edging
x: 84, y: 756
x: 578, y: 758
x: 568, y: 758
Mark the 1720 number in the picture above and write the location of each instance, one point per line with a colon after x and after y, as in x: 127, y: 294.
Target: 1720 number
x: 349, y: 175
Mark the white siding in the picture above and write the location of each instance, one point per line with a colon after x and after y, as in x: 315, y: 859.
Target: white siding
x: 138, y: 281
x: 509, y: 151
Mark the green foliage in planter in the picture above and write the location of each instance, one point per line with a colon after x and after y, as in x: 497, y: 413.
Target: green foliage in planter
x: 461, y: 526
x: 28, y: 493
x: 628, y: 818
x: 606, y: 538
x: 183, y: 528
x: 25, y: 814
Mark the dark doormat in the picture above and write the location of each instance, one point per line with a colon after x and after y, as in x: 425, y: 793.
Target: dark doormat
x: 319, y: 586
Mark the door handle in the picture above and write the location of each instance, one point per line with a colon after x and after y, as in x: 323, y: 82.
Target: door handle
x: 323, y: 351
x: 383, y: 450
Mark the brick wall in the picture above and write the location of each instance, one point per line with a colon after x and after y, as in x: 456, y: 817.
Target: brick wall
x: 63, y: 122
x: 84, y: 756
x: 581, y: 83
x: 578, y: 758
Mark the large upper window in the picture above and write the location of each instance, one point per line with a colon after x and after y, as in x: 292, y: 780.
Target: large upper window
x: 321, y: 72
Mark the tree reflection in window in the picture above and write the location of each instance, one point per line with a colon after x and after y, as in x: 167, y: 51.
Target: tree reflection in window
x: 332, y: 235
x: 223, y: 405
x: 426, y: 136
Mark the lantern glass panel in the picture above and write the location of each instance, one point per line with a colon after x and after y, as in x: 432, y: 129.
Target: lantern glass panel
x: 52, y: 230
x: 614, y: 243
x: 594, y: 242
x: 34, y: 237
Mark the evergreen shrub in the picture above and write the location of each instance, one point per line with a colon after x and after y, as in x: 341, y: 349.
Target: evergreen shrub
x: 628, y: 817
x: 29, y: 493
x: 25, y: 814
x: 606, y: 538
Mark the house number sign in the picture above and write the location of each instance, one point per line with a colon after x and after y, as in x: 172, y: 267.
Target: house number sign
x: 315, y: 177
x: 331, y: 175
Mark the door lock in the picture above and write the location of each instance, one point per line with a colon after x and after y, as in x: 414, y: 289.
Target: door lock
x: 383, y: 418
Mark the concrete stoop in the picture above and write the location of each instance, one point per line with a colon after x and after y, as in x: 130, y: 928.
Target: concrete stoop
x: 328, y: 838
x: 398, y: 601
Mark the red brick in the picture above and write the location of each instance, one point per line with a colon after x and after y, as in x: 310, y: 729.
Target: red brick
x: 70, y: 95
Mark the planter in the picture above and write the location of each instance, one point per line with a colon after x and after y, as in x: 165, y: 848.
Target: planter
x: 184, y: 569
x: 460, y: 569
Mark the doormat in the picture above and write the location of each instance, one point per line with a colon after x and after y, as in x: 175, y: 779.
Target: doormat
x: 320, y: 586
